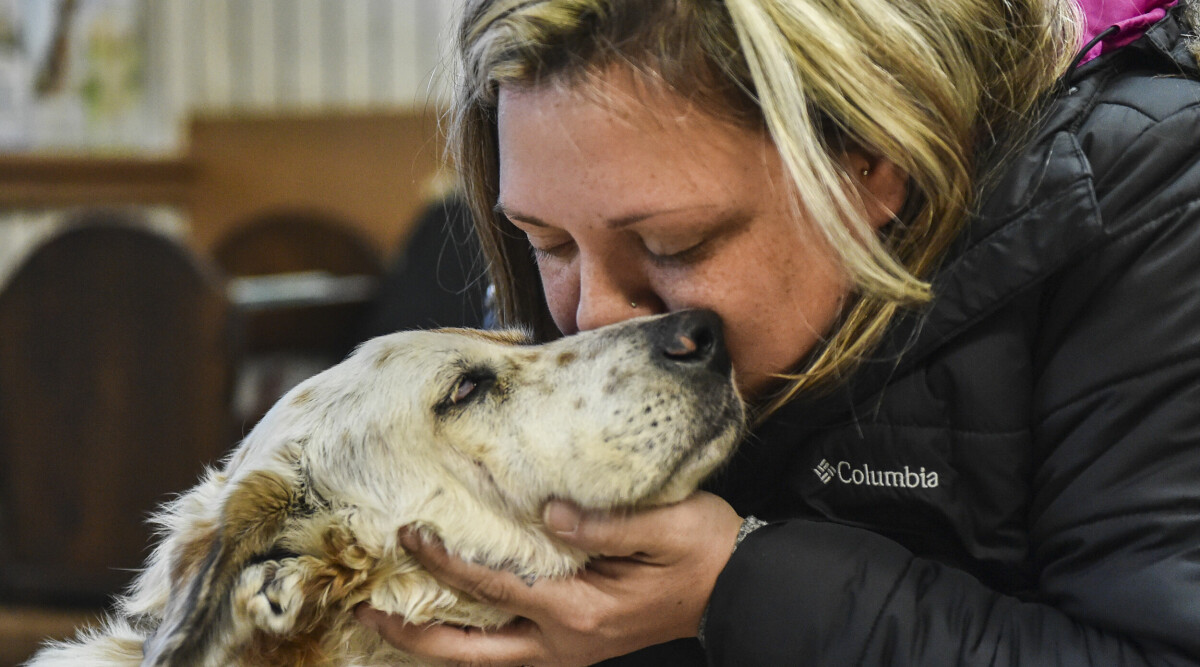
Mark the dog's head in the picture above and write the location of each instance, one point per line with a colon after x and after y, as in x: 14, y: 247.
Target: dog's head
x: 464, y: 433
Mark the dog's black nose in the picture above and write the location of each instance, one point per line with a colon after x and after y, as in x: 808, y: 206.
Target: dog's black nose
x: 692, y: 337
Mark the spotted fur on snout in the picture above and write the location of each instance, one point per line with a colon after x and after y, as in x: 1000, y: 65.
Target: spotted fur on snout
x: 463, y: 433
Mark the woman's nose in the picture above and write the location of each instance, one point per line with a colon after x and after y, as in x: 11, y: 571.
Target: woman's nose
x: 611, y: 294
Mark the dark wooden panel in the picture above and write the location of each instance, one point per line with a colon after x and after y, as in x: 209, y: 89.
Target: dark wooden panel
x: 373, y: 170
x: 115, y: 373
x: 296, y: 242
x: 47, y: 180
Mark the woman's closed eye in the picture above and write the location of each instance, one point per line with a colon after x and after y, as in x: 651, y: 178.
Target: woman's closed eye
x: 547, y: 242
x: 676, y: 251
x: 688, y: 255
x: 551, y: 250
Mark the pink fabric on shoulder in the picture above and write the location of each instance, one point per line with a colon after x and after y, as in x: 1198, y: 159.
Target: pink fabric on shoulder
x: 1132, y: 18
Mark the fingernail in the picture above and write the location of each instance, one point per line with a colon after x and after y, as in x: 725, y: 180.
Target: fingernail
x: 561, y: 518
x: 410, y: 539
x: 369, y: 618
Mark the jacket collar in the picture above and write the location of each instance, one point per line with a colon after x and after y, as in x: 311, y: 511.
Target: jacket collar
x: 1169, y: 39
x: 1165, y: 44
x: 1037, y: 218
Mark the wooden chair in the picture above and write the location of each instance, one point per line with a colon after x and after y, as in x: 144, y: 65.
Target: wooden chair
x: 116, y: 360
x: 291, y: 246
x: 302, y: 283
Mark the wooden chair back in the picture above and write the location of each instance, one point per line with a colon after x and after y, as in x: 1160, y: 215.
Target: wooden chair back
x: 301, y: 242
x: 116, y: 363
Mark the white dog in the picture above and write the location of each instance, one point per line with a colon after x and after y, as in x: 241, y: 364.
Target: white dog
x: 464, y: 433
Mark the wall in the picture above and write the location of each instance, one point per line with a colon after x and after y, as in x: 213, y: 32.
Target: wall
x: 133, y: 71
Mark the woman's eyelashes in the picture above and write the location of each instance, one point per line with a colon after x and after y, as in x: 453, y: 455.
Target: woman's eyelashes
x: 677, y: 255
x: 544, y: 251
x: 659, y: 252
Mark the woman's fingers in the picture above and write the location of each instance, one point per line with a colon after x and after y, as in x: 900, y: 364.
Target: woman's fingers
x: 513, y: 644
x: 499, y: 589
x: 650, y: 534
x: 614, y: 535
x: 650, y: 584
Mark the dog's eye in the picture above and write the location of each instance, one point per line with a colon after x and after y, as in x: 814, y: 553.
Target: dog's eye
x: 469, y: 386
x: 466, y: 386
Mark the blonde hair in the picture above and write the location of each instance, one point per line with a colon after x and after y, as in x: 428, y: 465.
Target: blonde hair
x: 1192, y: 16
x: 935, y: 86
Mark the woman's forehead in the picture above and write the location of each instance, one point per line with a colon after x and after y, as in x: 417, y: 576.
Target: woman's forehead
x: 544, y: 130
x: 621, y: 94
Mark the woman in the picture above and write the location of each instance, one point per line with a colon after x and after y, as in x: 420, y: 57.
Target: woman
x: 957, y: 275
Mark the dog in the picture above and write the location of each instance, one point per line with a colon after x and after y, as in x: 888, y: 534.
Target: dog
x: 464, y: 434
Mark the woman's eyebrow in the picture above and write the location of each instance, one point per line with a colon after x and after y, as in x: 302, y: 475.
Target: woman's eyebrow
x: 632, y: 218
x: 615, y: 223
x: 516, y: 215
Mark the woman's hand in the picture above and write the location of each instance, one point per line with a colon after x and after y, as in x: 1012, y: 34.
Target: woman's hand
x: 651, y: 585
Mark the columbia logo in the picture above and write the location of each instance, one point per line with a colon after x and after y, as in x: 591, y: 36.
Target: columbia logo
x: 825, y: 471
x: 863, y: 475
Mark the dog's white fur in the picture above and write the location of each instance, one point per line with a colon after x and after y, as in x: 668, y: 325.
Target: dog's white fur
x: 263, y: 561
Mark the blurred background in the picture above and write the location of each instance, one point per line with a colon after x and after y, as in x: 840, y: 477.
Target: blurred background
x: 202, y: 202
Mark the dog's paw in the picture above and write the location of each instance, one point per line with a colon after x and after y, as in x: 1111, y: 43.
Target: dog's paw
x: 270, y: 596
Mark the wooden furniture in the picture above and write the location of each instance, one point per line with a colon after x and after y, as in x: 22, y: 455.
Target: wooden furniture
x: 376, y: 171
x: 282, y: 254
x: 301, y: 284
x: 39, y: 181
x: 372, y: 171
x: 116, y: 358
x: 285, y: 241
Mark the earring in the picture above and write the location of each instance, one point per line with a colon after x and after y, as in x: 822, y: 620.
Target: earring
x: 633, y: 304
x: 866, y: 173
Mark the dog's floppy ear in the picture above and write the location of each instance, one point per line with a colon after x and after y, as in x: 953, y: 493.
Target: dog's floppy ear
x: 231, y: 567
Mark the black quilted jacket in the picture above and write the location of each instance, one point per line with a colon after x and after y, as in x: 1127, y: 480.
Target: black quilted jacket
x: 1015, y: 479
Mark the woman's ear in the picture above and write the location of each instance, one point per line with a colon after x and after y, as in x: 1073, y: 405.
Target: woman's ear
x: 882, y: 184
